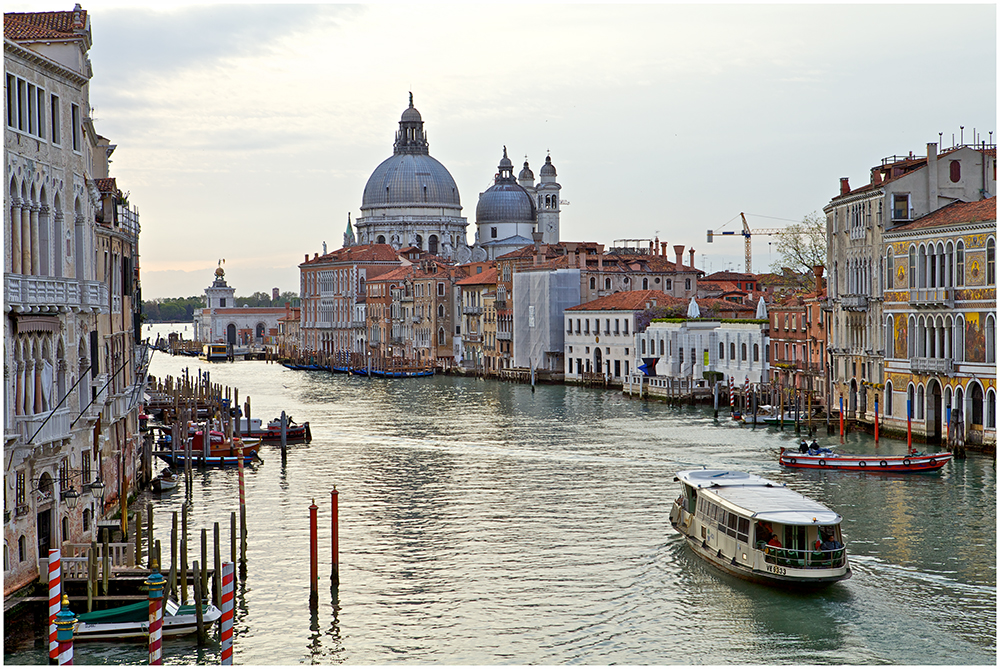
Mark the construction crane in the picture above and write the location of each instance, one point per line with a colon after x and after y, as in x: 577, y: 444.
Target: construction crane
x: 747, y: 232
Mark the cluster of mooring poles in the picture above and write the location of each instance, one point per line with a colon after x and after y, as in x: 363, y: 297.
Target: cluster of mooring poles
x: 314, y: 548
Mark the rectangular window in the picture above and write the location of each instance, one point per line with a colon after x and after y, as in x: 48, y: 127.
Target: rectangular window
x: 41, y: 113
x: 586, y: 326
x: 617, y: 330
x: 32, y: 109
x: 21, y: 102
x: 19, y: 489
x: 607, y: 326
x: 11, y: 98
x: 901, y: 206
x: 669, y: 284
x: 626, y: 332
x: 569, y: 326
x: 75, y: 118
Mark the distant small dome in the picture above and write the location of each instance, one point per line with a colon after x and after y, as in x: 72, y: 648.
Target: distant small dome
x: 505, y: 201
x: 526, y: 173
x: 548, y: 169
x: 411, y: 114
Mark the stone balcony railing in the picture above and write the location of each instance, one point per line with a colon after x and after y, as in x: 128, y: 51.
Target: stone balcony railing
x: 54, y: 425
x: 932, y: 366
x: 931, y: 298
x: 854, y: 302
x: 47, y: 294
x: 472, y: 310
x: 504, y: 336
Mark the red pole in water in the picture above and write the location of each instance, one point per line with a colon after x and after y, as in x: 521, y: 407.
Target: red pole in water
x: 876, y: 419
x: 313, y: 557
x: 909, y: 433
x: 841, y: 418
x: 335, y: 574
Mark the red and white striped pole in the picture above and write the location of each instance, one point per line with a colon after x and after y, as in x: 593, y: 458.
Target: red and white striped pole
x: 226, y: 634
x: 55, y: 601
x: 65, y: 622
x: 732, y: 396
x: 156, y: 584
x: 746, y: 394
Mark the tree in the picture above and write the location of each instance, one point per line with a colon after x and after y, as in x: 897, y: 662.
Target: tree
x: 802, y: 246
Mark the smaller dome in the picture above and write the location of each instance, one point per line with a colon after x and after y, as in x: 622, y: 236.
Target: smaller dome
x: 505, y: 203
x: 526, y: 173
x: 548, y: 169
x: 505, y: 161
x: 410, y: 114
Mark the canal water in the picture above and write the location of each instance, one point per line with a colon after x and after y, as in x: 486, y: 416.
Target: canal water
x: 483, y: 523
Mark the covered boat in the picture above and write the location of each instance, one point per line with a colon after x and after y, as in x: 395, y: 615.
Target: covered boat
x: 911, y: 463
x: 272, y: 432
x: 132, y: 620
x: 759, y: 530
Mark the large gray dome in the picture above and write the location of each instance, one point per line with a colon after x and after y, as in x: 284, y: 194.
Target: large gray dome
x: 410, y: 179
x: 505, y: 203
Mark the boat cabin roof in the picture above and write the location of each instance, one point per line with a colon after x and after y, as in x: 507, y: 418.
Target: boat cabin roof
x: 760, y: 498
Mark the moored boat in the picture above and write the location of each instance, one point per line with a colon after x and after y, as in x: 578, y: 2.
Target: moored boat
x: 272, y: 432
x: 218, y: 445
x: 132, y: 620
x: 759, y: 530
x: 167, y: 480
x: 177, y: 459
x: 910, y: 463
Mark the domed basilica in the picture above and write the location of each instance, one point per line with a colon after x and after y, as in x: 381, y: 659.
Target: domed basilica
x: 411, y: 200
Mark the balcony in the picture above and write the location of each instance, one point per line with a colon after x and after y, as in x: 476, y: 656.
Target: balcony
x: 854, y: 302
x: 932, y: 298
x: 358, y: 325
x: 500, y: 305
x: 46, y: 294
x: 932, y: 366
x: 473, y: 338
x: 504, y: 336
x: 56, y: 427
x: 473, y: 311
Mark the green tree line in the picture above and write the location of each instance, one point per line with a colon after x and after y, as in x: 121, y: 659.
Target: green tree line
x: 181, y: 309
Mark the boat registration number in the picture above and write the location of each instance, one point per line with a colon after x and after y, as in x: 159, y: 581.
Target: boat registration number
x: 780, y: 571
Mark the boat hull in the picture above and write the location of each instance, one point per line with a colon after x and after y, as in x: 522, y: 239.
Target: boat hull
x: 210, y: 461
x: 763, y: 577
x: 895, y: 464
x: 176, y: 625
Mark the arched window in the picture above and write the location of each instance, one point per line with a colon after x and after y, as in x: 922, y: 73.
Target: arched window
x: 991, y: 409
x: 380, y: 239
x: 645, y: 284
x: 960, y: 264
x: 743, y: 351
x: 661, y: 347
x: 593, y: 283
x: 890, y: 348
x: 22, y: 553
x: 889, y: 282
x: 955, y: 171
x: 440, y: 311
x: 440, y: 341
x: 732, y: 350
x: 958, y: 346
x: 756, y: 352
x: 991, y: 261
x: 913, y: 267
x: 607, y: 284
x: 432, y: 245
x: 888, y: 398
x: 722, y: 351
x: 643, y: 347
x: 909, y: 401
x: 991, y: 332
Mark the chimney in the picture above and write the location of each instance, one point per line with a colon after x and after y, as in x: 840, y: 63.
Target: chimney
x: 315, y: 255
x: 845, y: 186
x: 651, y: 248
x: 818, y: 271
x: 679, y: 250
x: 307, y: 257
x: 600, y: 257
x: 663, y: 249
x: 570, y: 254
x: 692, y: 258
x: 932, y: 177
x: 876, y: 177
x: 537, y: 236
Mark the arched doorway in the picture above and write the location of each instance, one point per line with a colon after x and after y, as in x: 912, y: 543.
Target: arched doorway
x: 934, y: 412
x: 598, y: 367
x: 231, y: 333
x: 44, y: 518
x: 976, y: 395
x: 260, y: 332
x: 432, y: 245
x: 852, y: 401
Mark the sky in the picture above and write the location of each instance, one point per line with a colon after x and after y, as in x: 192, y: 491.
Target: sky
x: 247, y: 132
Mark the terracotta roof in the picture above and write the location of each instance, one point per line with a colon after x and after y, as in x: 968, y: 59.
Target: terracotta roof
x: 44, y: 25
x: 630, y: 300
x: 397, y: 274
x: 362, y: 253
x: 487, y: 277
x: 955, y: 213
x: 106, y: 185
x: 729, y: 276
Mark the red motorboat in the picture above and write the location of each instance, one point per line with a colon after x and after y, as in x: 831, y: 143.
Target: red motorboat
x: 906, y: 464
x: 218, y: 446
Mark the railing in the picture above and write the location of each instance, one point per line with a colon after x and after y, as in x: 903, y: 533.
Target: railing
x: 504, y: 336
x: 473, y: 337
x: 21, y: 292
x: 932, y: 297
x: 932, y: 365
x: 472, y: 310
x: 57, y: 426
x: 803, y: 559
x: 854, y: 302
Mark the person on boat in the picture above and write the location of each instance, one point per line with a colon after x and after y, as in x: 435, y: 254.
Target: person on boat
x: 829, y: 543
x: 773, y: 541
x: 803, y: 447
x: 814, y: 445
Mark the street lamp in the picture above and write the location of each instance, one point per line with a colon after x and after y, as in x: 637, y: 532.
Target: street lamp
x: 97, y: 489
x: 71, y: 497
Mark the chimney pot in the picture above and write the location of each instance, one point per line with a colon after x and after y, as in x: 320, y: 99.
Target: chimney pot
x: 845, y: 186
x: 679, y: 250
x: 691, y: 252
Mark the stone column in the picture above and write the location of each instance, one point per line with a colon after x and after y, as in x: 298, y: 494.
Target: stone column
x: 39, y: 403
x: 36, y: 265
x: 25, y: 240
x: 18, y: 388
x: 29, y: 387
x: 15, y: 235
